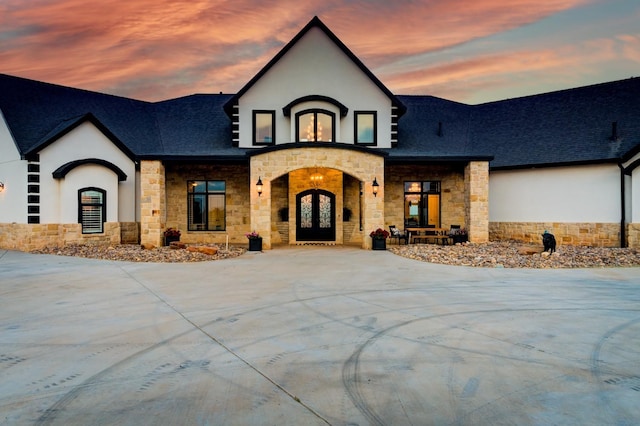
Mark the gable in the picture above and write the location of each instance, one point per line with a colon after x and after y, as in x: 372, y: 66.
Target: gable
x: 314, y: 72
x: 315, y: 23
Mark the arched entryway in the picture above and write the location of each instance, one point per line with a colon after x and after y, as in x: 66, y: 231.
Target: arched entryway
x: 273, y: 163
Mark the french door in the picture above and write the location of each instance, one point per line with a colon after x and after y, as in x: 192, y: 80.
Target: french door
x: 315, y: 215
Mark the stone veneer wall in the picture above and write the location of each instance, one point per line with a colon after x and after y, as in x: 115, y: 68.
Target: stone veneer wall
x: 361, y: 165
x: 476, y: 188
x: 152, y: 202
x: 452, y: 199
x: 236, y: 178
x: 28, y: 237
x: 129, y: 232
x: 633, y: 235
x: 351, y: 199
x: 579, y: 234
x: 280, y: 200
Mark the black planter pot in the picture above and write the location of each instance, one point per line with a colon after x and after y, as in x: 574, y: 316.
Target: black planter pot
x: 378, y: 244
x: 169, y: 240
x: 255, y: 244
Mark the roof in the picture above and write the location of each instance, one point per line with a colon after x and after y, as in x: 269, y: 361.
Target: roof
x: 564, y: 127
x: 435, y: 128
x: 194, y: 126
x: 573, y: 126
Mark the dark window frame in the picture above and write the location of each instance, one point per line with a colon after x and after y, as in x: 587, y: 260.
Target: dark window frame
x: 315, y: 112
x: 255, y: 114
x: 191, y: 196
x: 356, y: 115
x: 103, y: 208
x: 427, y: 187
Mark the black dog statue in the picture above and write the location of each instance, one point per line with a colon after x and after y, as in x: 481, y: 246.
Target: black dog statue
x: 549, y: 242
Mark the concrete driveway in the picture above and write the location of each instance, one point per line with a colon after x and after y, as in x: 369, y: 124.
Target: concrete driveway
x: 305, y: 336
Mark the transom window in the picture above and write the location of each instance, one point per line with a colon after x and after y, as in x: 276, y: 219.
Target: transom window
x: 264, y: 127
x: 92, y: 210
x: 206, y: 205
x: 315, y: 126
x: 365, y: 127
x: 422, y: 204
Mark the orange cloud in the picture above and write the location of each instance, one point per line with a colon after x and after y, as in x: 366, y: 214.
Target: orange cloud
x: 158, y: 49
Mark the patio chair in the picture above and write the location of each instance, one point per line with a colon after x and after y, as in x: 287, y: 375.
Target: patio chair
x: 399, y: 235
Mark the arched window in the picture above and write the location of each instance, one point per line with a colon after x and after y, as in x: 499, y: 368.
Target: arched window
x: 92, y: 210
x: 315, y: 125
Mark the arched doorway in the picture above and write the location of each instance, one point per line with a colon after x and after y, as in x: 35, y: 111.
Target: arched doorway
x: 269, y: 164
x: 316, y: 215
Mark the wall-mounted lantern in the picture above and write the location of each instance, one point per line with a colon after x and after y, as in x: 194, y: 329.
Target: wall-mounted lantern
x: 375, y: 187
x: 259, y: 186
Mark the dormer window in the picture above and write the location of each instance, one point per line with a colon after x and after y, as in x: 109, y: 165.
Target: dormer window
x: 315, y: 125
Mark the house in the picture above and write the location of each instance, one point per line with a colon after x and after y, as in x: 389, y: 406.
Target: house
x: 316, y: 149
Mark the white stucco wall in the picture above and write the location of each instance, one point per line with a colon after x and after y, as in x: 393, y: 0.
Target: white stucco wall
x: 633, y: 190
x: 13, y: 173
x: 58, y: 197
x: 78, y: 178
x: 558, y: 194
x: 315, y: 66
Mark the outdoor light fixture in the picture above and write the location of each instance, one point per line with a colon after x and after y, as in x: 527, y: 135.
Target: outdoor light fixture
x: 375, y: 187
x: 259, y: 186
x: 1, y: 186
x: 316, y: 179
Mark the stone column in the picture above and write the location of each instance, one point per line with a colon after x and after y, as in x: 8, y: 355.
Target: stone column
x: 476, y: 185
x: 261, y: 203
x: 152, y: 202
x: 373, y: 215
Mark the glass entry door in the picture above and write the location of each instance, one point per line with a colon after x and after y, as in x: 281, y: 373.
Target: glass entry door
x: 315, y: 216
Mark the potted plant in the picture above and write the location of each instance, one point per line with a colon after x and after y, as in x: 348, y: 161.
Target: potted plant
x: 255, y: 241
x: 171, y: 235
x: 458, y: 235
x: 379, y: 239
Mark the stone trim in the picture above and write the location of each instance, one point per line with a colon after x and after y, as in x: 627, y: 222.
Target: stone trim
x: 270, y: 165
x: 579, y: 234
x: 28, y: 237
x: 633, y: 235
x: 476, y: 188
x: 152, y: 202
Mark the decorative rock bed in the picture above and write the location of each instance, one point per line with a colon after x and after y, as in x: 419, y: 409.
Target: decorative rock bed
x: 136, y: 253
x: 510, y: 254
x: 503, y: 254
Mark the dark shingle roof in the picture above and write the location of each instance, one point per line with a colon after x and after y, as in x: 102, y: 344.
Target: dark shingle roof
x: 568, y: 126
x: 194, y: 126
x: 433, y: 127
x: 36, y: 112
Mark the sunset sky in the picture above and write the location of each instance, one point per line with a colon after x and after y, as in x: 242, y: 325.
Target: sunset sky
x: 469, y: 51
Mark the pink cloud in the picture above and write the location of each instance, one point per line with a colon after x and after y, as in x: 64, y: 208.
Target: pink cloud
x: 157, y: 49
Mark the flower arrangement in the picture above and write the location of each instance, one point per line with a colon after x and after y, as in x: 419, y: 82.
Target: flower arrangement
x: 379, y: 234
x: 172, y: 232
x: 252, y: 235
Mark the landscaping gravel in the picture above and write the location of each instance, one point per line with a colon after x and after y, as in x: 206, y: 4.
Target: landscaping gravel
x: 502, y: 254
x: 510, y: 254
x: 135, y: 253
